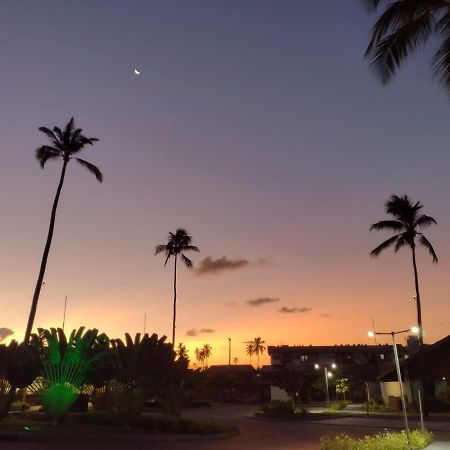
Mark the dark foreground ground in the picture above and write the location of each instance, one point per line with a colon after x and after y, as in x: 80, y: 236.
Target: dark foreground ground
x: 254, y: 434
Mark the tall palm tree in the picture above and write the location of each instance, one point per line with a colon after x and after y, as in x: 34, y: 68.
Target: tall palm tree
x: 258, y: 347
x: 207, y: 352
x: 199, y: 356
x: 178, y: 244
x: 404, y: 26
x: 407, y: 225
x: 64, y: 145
x: 249, y: 350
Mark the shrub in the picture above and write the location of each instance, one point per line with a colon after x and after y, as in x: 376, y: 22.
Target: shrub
x: 443, y: 394
x: 19, y: 406
x: 278, y: 408
x: 374, y: 406
x: 393, y: 441
x: 339, y: 404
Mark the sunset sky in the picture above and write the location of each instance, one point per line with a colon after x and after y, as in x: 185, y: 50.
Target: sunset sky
x: 257, y: 126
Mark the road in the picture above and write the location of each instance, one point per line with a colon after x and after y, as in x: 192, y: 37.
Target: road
x: 254, y: 435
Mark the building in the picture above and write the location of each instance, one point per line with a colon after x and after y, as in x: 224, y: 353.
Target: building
x: 307, y: 356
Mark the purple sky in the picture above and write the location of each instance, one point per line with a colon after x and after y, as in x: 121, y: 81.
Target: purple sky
x: 259, y: 127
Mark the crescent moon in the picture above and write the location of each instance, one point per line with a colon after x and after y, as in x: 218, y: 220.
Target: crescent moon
x: 137, y: 72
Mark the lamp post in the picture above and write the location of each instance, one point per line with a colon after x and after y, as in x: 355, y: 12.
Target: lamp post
x: 229, y: 351
x: 327, y: 374
x: 399, y: 374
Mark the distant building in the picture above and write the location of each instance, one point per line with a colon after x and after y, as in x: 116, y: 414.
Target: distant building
x: 307, y: 356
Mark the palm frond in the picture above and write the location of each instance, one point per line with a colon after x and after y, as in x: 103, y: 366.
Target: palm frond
x: 441, y: 62
x: 160, y: 248
x: 389, y: 52
x: 191, y: 248
x: 425, y: 221
x: 387, y: 243
x: 187, y: 261
x: 45, y: 152
x: 426, y: 243
x: 394, y: 225
x: 92, y: 168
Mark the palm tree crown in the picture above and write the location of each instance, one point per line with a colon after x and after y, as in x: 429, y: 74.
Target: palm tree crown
x: 407, y: 225
x: 404, y: 26
x: 256, y: 347
x: 64, y: 145
x: 177, y: 244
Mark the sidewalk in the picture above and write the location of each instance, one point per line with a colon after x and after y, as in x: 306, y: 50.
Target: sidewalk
x: 439, y: 445
x: 387, y: 423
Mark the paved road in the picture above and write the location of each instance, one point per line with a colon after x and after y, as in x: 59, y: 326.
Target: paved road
x: 254, y: 435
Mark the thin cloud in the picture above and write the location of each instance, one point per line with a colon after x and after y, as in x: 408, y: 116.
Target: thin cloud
x: 262, y: 301
x: 325, y: 315
x: 287, y: 310
x: 231, y: 303
x: 195, y: 332
x: 212, y: 266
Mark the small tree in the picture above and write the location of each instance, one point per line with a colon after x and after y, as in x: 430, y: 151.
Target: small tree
x: 341, y: 387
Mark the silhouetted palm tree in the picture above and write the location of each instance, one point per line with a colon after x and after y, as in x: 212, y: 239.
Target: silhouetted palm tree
x: 64, y: 145
x: 235, y: 361
x: 207, y: 352
x: 408, y: 224
x: 182, y: 351
x: 178, y: 243
x: 249, y: 350
x: 403, y: 27
x: 199, y: 357
x: 258, y: 347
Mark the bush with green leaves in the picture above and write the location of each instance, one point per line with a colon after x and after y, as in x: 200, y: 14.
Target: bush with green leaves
x: 389, y: 440
x: 338, y: 405
x: 65, y: 366
x: 278, y: 408
x: 140, y: 368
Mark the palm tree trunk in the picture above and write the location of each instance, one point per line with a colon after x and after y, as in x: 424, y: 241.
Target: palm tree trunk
x: 37, y: 289
x: 419, y: 324
x: 257, y: 355
x: 174, y: 302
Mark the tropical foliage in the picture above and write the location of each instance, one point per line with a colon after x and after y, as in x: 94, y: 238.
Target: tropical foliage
x: 64, y: 145
x: 202, y: 355
x: 65, y: 366
x: 255, y: 347
x: 405, y: 26
x: 177, y: 245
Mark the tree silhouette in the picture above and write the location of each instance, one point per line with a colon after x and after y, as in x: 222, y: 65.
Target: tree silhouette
x: 403, y: 27
x: 178, y: 244
x: 65, y: 144
x: 181, y: 351
x: 408, y: 224
x: 207, y: 352
x: 257, y: 347
x: 235, y: 361
x: 249, y: 350
x: 200, y: 357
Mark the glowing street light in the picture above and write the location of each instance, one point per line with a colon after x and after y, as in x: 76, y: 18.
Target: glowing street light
x: 399, y: 374
x: 328, y: 374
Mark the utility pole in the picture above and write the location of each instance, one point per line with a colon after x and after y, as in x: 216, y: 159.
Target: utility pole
x: 229, y: 351
x: 64, y: 316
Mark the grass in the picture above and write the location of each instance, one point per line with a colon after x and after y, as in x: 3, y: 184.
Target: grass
x: 108, y: 423
x: 389, y: 440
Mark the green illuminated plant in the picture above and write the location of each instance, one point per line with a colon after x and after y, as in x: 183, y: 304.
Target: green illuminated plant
x: 65, y: 366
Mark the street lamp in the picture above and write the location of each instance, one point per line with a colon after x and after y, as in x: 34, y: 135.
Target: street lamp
x: 399, y: 374
x: 327, y: 374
